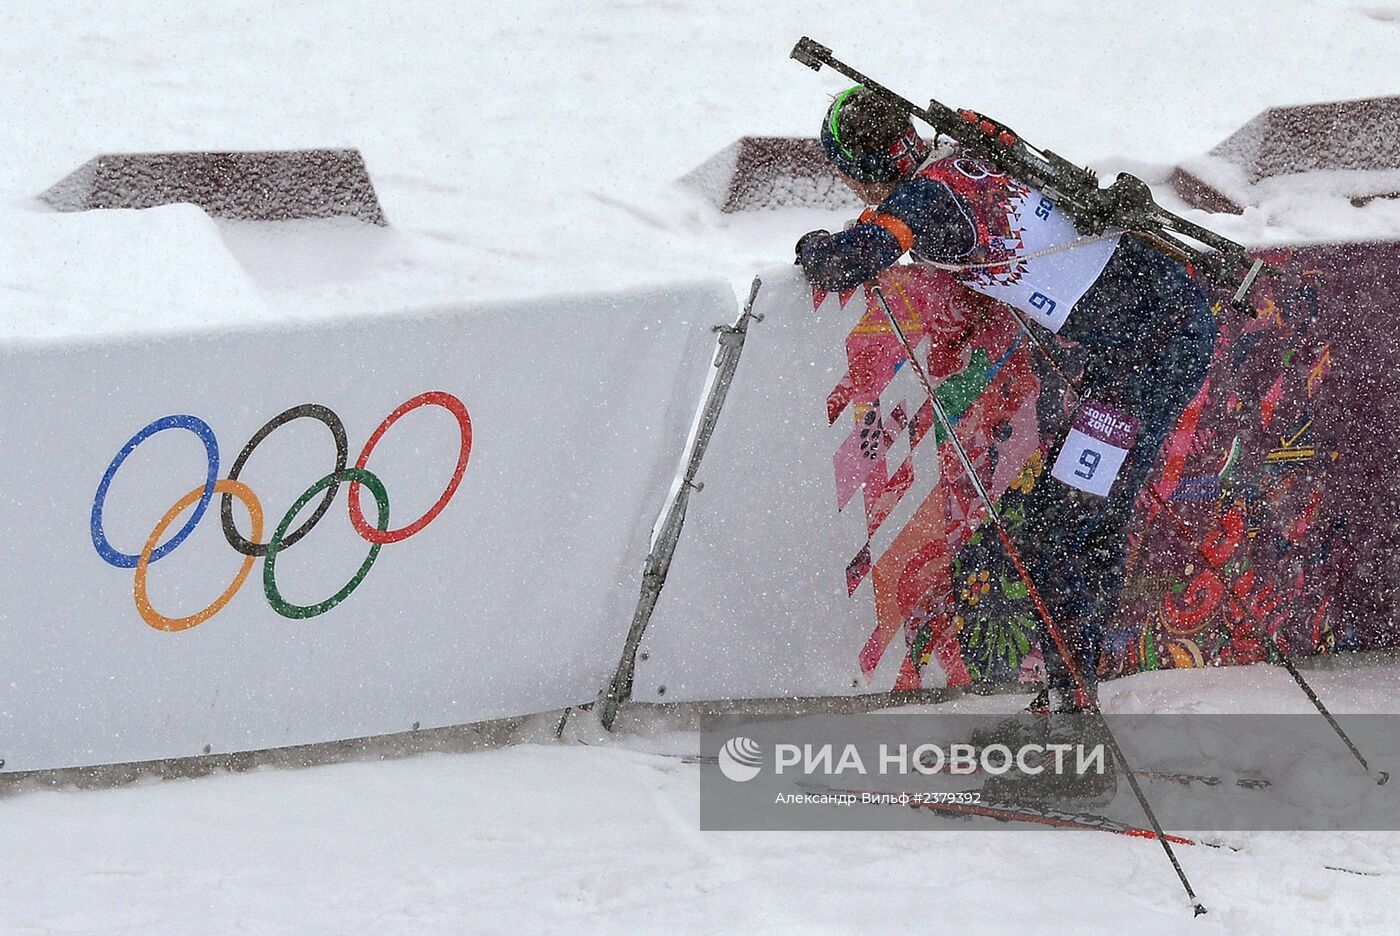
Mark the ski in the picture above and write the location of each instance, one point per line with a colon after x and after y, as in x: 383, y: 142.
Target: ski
x: 1040, y: 816
x: 1015, y: 812
x: 1184, y: 778
x: 1210, y: 780
x: 1027, y: 814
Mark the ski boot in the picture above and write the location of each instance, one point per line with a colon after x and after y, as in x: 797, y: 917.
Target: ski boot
x: 1026, y: 728
x: 1075, y: 723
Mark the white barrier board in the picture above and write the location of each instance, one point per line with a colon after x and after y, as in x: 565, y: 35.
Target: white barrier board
x: 524, y: 451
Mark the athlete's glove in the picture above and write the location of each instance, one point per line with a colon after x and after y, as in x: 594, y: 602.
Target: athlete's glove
x: 807, y: 238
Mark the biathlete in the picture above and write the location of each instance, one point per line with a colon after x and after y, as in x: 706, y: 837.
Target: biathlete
x: 1143, y: 327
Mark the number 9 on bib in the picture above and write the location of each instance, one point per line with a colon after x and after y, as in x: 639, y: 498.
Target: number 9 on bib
x: 1095, y: 448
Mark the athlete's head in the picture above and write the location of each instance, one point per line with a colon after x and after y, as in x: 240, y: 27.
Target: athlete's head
x: 870, y: 140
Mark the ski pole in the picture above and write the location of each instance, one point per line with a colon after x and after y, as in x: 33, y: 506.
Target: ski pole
x: 1091, y: 703
x: 1183, y: 531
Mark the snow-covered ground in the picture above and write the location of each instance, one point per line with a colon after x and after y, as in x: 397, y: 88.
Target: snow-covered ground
x: 568, y: 838
x: 532, y: 148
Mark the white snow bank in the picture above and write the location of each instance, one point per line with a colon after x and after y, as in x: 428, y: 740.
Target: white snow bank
x: 580, y: 840
x: 117, y: 272
x: 533, y: 147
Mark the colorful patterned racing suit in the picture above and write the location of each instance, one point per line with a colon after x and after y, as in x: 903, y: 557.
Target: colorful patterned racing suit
x: 1134, y: 318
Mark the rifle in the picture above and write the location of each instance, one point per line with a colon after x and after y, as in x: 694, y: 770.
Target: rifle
x: 1126, y: 204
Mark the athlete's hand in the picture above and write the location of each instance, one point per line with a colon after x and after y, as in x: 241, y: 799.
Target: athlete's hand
x: 807, y: 238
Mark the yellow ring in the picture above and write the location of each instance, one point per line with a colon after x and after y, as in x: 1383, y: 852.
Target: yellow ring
x: 143, y: 603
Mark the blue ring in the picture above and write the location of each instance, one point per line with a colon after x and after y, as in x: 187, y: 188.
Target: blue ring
x: 211, y: 447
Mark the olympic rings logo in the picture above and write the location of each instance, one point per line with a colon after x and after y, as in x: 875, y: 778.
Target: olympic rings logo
x: 283, y: 537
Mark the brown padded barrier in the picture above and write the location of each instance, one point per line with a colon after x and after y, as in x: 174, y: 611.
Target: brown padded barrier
x: 272, y: 185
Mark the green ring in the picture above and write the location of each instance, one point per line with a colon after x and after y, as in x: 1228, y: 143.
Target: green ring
x: 274, y: 545
x: 835, y: 116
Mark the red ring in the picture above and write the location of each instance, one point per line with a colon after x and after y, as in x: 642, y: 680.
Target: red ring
x: 357, y: 517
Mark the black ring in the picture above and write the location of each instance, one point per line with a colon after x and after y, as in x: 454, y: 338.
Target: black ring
x: 342, y: 454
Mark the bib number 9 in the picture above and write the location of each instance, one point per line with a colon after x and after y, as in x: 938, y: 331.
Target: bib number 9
x: 1090, y: 460
x: 1088, y: 464
x: 1096, y: 447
